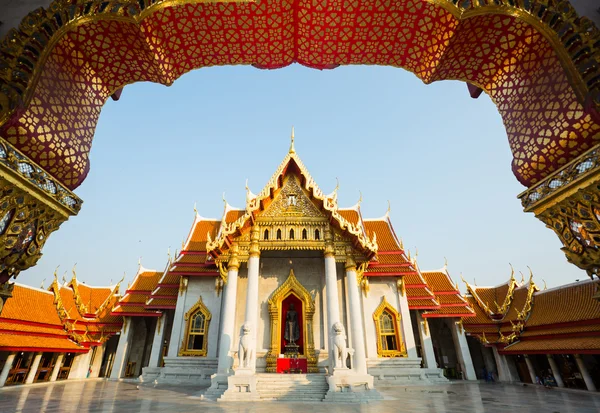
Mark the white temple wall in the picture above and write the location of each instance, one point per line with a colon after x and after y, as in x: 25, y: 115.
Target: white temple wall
x: 201, y: 287
x: 379, y: 287
x: 309, y: 268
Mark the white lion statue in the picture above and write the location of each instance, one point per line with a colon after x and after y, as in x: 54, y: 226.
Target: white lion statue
x: 339, y: 349
x: 246, y: 350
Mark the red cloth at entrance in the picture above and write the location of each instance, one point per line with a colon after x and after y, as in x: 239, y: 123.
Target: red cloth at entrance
x: 284, y: 364
x: 285, y: 305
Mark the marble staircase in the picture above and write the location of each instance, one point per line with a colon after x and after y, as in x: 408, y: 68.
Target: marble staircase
x: 291, y: 387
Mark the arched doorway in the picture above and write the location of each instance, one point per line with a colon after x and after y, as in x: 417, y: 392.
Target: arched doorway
x: 288, y: 293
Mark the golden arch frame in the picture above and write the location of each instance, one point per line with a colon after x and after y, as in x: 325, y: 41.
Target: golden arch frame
x: 291, y: 286
x: 198, y: 307
x: 383, y: 307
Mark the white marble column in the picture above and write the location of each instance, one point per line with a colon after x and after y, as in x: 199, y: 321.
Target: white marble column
x: 158, y: 341
x: 97, y: 362
x: 6, y: 369
x: 358, y: 334
x: 462, y: 350
x: 555, y: 371
x: 252, y: 292
x: 531, y: 369
x: 426, y: 343
x: 33, y: 369
x: 120, y: 360
x: 589, y: 383
x: 228, y: 314
x: 505, y: 372
x: 57, y: 366
x: 407, y: 331
x: 177, y: 330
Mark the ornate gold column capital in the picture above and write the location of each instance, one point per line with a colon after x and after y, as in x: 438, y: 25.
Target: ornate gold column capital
x: 350, y: 262
x: 328, y: 237
x: 234, y: 262
x: 254, y: 237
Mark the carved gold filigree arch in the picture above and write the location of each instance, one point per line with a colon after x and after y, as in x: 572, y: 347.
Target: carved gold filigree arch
x: 383, y: 307
x: 198, y: 307
x: 291, y: 286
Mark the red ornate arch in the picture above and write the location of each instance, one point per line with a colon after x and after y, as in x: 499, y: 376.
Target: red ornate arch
x: 537, y: 60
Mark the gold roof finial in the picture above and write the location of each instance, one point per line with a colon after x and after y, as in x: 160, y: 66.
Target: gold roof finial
x: 55, y: 273
x: 408, y: 255
x: 169, y: 253
x: 74, y: 272
x: 359, y: 198
x: 224, y: 200
x: 64, y: 279
x: 522, y: 278
x: 445, y: 263
x: 545, y: 286
x: 195, y: 210
x: 401, y: 243
x: 139, y: 263
x: 42, y: 285
x: 292, y: 149
x: 389, y: 209
x: 512, y: 271
x: 530, y: 275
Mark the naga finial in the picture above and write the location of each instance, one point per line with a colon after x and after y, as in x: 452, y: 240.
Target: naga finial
x: 545, y: 286
x: 195, y: 209
x: 42, y: 285
x: 74, y: 272
x: 224, y: 200
x: 445, y: 263
x: 389, y: 209
x: 55, y: 273
x: 512, y: 272
x: 292, y: 149
x: 359, y: 199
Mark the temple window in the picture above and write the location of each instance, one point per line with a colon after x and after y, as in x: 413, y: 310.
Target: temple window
x: 291, y: 234
x: 266, y: 234
x: 389, y: 342
x: 196, y: 336
x: 304, y: 234
x: 317, y: 235
x: 278, y: 234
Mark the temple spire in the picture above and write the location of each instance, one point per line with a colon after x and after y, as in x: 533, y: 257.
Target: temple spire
x: 292, y: 149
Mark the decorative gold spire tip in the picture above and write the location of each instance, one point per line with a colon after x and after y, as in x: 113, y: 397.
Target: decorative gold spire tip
x: 292, y: 149
x: 389, y: 209
x: 195, y: 210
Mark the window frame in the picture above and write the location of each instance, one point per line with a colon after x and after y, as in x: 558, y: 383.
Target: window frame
x: 383, y: 308
x: 199, y: 307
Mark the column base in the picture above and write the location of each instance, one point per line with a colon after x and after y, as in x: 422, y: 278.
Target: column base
x: 346, y: 385
x: 241, y: 387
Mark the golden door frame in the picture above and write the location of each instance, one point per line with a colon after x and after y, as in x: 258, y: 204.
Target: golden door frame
x: 291, y: 286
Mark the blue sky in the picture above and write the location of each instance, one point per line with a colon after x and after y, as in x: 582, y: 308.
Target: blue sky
x: 441, y: 158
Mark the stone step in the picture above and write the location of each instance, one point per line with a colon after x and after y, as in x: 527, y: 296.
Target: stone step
x: 297, y: 387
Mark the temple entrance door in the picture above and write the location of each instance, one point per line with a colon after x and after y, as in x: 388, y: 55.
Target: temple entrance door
x: 292, y: 332
x: 291, y: 309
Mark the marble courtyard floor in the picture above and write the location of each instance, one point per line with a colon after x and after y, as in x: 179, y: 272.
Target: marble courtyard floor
x: 109, y: 396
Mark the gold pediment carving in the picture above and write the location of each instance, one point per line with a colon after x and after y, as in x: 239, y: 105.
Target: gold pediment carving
x: 292, y: 201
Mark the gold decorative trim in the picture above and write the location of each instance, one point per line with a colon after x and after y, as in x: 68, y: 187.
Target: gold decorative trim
x: 396, y: 318
x: 291, y: 286
x: 198, y: 307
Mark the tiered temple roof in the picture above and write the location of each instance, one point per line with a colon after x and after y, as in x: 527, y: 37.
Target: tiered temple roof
x: 133, y: 303
x: 68, y: 317
x: 563, y: 320
x: 520, y: 319
x: 209, y: 238
x: 30, y: 322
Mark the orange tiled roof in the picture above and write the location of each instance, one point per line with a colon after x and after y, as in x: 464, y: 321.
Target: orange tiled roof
x: 565, y: 304
x: 29, y: 343
x: 29, y: 320
x: 350, y: 215
x: 556, y: 345
x: 386, y: 240
x: 31, y: 304
x: 198, y: 235
x: 461, y: 311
